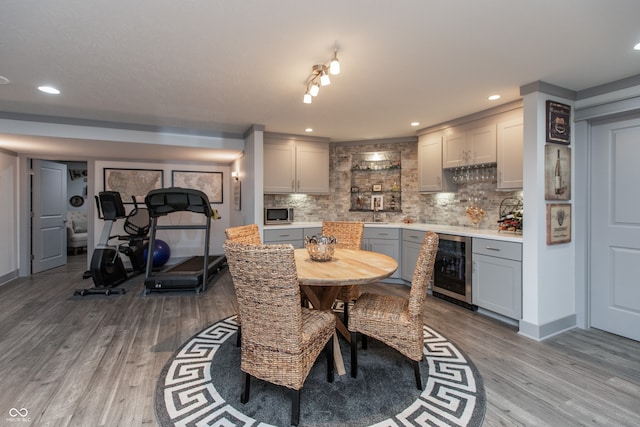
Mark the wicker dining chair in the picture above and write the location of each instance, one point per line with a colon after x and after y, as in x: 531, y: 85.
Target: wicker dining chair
x: 281, y: 340
x: 349, y: 236
x: 244, y: 234
x: 396, y: 321
x: 249, y: 234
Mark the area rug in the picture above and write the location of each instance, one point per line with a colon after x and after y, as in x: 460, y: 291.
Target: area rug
x: 201, y: 384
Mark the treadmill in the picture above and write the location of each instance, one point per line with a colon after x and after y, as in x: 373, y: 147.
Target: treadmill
x: 193, y: 273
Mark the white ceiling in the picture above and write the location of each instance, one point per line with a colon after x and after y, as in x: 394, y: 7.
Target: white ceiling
x: 223, y: 65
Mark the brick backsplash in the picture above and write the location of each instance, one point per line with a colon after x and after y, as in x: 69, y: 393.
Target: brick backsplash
x: 440, y: 208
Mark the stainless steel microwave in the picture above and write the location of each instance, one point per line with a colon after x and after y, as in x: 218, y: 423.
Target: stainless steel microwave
x: 278, y: 215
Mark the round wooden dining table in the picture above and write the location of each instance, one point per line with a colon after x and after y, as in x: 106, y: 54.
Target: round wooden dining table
x: 321, y: 280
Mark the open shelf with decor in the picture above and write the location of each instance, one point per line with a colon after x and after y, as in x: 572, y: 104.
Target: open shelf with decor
x: 376, y: 182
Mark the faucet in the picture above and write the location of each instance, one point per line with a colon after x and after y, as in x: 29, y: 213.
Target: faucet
x: 375, y: 211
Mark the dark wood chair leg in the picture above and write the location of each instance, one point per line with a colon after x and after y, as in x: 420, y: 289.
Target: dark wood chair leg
x: 295, y: 407
x: 329, y: 351
x: 346, y: 314
x: 246, y: 385
x: 365, y: 343
x: 239, y: 336
x: 354, y: 355
x: 416, y: 370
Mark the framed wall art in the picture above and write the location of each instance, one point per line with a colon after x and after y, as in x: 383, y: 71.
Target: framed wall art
x: 557, y: 172
x: 377, y: 202
x: 210, y: 183
x: 558, y: 223
x: 132, y: 183
x: 558, y: 123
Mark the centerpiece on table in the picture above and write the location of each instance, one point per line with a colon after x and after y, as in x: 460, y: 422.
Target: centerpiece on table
x: 320, y: 248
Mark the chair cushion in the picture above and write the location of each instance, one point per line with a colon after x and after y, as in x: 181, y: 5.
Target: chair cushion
x: 79, y: 225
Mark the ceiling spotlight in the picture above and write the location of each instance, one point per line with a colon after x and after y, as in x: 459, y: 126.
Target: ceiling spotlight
x: 314, y: 88
x: 320, y: 77
x: 494, y: 97
x: 637, y: 47
x: 49, y: 89
x: 415, y: 124
x: 4, y: 80
x: 324, y: 77
x: 334, y: 66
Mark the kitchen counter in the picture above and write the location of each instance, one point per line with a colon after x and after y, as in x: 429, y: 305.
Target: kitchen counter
x: 438, y: 228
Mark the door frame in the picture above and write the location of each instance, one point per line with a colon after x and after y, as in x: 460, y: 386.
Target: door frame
x: 24, y: 207
x: 584, y: 120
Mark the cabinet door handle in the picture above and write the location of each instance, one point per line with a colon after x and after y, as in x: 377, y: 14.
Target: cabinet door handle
x: 491, y: 248
x: 293, y: 185
x: 284, y: 235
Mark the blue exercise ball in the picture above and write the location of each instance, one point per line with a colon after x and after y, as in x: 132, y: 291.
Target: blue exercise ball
x: 161, y: 253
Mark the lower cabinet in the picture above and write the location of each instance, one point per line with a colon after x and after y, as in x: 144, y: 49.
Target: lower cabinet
x: 295, y: 236
x: 385, y: 241
x: 497, y: 276
x: 411, y: 244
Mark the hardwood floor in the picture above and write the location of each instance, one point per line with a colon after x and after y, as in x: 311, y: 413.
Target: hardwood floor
x: 94, y: 361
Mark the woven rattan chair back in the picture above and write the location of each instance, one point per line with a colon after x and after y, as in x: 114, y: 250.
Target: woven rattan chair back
x: 397, y: 321
x: 244, y: 234
x: 348, y: 234
x: 268, y: 293
x: 422, y: 274
x: 280, y: 339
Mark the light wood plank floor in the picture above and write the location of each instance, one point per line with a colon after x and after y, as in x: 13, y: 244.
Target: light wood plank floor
x: 95, y: 361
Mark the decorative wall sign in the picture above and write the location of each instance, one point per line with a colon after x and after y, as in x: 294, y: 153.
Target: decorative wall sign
x: 557, y: 172
x: 558, y: 122
x: 210, y: 183
x: 558, y: 223
x: 132, y: 182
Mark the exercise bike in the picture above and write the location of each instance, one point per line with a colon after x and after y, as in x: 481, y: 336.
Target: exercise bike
x: 107, y: 269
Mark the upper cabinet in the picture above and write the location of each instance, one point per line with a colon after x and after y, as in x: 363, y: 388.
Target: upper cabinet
x: 292, y: 166
x: 510, y: 145
x: 431, y: 177
x: 464, y: 147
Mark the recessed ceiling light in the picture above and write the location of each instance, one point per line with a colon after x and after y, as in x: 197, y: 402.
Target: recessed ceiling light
x: 49, y: 89
x: 415, y: 123
x: 4, y: 80
x: 494, y: 97
x: 308, y: 130
x: 637, y: 47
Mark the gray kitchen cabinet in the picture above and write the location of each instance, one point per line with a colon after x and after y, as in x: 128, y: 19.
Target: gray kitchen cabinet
x: 510, y: 146
x: 292, y: 166
x: 431, y: 177
x: 497, y: 276
x: 295, y: 236
x: 474, y: 146
x: 411, y: 244
x: 385, y: 241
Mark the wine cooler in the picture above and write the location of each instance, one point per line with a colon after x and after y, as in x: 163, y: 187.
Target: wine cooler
x: 452, y: 271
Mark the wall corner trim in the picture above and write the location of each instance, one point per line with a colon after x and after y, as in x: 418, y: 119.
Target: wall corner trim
x: 548, y: 330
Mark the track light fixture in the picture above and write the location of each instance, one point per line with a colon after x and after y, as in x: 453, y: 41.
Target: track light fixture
x: 320, y: 77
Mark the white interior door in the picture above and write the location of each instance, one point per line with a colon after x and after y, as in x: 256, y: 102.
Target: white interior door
x: 49, y: 212
x: 615, y: 228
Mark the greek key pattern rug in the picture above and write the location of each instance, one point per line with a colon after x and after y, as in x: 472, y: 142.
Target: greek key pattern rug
x: 200, y: 386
